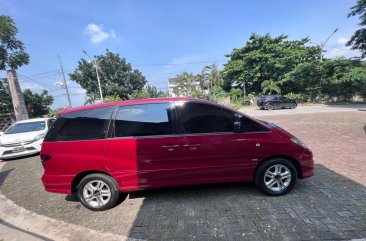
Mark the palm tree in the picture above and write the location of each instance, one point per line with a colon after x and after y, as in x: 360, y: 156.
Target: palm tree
x: 213, y: 74
x: 270, y: 86
x: 235, y: 93
x: 91, y: 98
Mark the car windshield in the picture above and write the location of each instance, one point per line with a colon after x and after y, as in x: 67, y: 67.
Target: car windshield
x: 26, y: 127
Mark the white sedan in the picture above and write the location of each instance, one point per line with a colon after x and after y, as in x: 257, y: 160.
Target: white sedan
x: 24, y: 137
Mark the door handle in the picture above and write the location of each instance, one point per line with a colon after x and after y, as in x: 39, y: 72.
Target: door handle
x: 191, y: 145
x: 170, y: 146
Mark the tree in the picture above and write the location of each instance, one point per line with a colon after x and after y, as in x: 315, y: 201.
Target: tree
x: 270, y: 86
x: 112, y: 98
x: 37, y: 104
x: 188, y: 85
x: 235, y: 94
x: 5, y: 97
x: 148, y: 91
x: 116, y: 75
x: 212, y: 74
x: 358, y: 39
x: 91, y: 98
x: 266, y: 58
x: 13, y: 56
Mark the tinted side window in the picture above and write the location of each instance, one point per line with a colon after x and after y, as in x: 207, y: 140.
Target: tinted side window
x: 203, y: 118
x: 249, y: 125
x: 81, y: 125
x: 144, y: 120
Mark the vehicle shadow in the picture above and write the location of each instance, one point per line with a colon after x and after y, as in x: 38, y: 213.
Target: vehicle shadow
x: 326, y: 206
x: 3, y: 175
x: 364, y: 128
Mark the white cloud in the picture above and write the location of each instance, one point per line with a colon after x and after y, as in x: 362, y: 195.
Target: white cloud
x: 32, y: 86
x: 342, y: 52
x: 97, y: 34
x: 342, y: 40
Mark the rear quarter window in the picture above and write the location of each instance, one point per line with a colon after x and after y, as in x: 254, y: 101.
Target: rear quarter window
x: 89, y: 124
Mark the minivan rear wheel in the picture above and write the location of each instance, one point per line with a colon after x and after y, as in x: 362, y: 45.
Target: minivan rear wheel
x: 276, y: 176
x: 98, y: 192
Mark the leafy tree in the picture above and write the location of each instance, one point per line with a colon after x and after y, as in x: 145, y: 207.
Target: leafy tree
x: 13, y: 56
x: 12, y: 50
x: 5, y: 98
x: 212, y: 74
x: 116, y: 76
x: 91, y: 98
x: 112, y: 98
x: 266, y: 58
x: 235, y: 94
x: 188, y: 85
x: 37, y: 104
x: 270, y: 86
x: 358, y: 39
x: 148, y: 92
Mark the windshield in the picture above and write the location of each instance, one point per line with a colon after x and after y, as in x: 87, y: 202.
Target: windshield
x: 26, y: 127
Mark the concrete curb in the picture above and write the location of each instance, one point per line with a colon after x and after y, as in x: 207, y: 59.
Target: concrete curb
x: 45, y: 228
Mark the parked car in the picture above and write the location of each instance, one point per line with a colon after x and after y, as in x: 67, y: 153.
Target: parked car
x: 24, y: 137
x: 98, y: 151
x: 271, y: 102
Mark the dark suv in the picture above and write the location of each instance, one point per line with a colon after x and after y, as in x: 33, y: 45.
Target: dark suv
x: 271, y: 102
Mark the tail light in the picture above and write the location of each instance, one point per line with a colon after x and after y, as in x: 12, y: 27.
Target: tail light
x: 45, y: 157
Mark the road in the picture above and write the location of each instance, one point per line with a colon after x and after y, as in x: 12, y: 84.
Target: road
x: 303, y: 109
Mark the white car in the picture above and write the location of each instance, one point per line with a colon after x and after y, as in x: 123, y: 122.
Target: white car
x: 24, y: 137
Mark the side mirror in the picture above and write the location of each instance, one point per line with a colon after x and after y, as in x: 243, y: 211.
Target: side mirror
x: 237, y: 127
x: 1, y: 133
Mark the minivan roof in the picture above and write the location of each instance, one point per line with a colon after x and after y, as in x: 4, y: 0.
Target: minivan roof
x: 127, y: 102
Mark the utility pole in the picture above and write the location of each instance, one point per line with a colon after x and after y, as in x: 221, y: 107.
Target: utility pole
x: 17, y: 96
x: 64, y: 83
x: 95, y: 64
x: 322, y: 45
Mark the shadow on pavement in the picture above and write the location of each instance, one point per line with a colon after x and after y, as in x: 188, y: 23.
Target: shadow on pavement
x: 3, y: 175
x: 326, y: 206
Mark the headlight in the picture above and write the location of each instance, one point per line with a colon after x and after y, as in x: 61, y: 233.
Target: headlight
x: 298, y: 142
x: 39, y: 137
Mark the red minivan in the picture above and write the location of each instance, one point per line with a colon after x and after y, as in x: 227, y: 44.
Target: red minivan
x: 99, y: 151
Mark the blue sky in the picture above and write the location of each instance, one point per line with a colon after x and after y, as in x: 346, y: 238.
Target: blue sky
x: 162, y: 38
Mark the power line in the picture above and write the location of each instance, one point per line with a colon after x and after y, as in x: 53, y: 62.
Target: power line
x: 29, y: 78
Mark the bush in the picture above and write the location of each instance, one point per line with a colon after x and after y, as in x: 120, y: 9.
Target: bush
x: 249, y: 99
x: 300, y: 98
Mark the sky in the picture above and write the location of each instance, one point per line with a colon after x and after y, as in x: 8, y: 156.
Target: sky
x: 162, y: 38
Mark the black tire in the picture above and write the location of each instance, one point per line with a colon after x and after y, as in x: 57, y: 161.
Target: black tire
x: 261, y: 108
x: 110, y: 183
x: 292, y: 106
x: 270, y: 107
x: 267, y: 165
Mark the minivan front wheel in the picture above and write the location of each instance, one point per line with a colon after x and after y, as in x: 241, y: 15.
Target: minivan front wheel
x: 276, y: 176
x: 98, y: 192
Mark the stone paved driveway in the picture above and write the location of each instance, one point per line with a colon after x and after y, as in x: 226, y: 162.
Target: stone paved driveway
x: 330, y: 205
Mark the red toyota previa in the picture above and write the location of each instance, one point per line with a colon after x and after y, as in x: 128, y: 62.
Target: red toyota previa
x: 99, y: 151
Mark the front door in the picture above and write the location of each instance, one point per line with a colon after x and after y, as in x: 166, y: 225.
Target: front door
x: 213, y: 151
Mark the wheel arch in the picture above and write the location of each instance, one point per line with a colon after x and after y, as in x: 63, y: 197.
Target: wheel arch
x: 76, y: 180
x: 293, y: 160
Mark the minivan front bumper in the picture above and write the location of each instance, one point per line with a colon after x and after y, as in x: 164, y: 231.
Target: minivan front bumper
x: 307, y: 164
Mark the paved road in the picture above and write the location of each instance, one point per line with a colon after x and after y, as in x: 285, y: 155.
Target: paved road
x: 303, y: 109
x: 330, y: 205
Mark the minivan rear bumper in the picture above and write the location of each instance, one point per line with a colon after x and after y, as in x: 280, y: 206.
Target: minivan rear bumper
x: 57, y: 183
